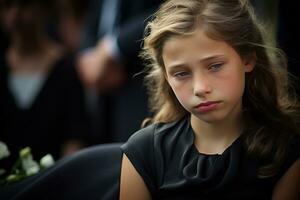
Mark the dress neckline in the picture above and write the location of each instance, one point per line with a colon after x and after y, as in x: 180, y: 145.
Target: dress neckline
x: 192, y: 134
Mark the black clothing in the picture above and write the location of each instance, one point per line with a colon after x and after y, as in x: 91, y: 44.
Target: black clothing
x: 172, y: 168
x: 56, y: 115
x: 90, y: 174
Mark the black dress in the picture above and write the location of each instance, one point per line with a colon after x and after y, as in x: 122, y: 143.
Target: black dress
x: 172, y: 168
x: 56, y: 115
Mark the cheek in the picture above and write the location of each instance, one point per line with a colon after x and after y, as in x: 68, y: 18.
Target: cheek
x: 182, y: 92
x: 232, y: 85
x: 182, y: 96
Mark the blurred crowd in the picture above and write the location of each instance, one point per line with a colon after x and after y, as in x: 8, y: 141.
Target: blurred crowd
x: 70, y: 70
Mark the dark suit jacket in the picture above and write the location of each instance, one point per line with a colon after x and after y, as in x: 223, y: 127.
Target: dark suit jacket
x: 132, y: 18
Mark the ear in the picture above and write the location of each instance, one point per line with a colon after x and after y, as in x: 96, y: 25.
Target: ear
x: 250, y: 62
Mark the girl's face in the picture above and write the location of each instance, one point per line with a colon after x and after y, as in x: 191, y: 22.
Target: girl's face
x: 206, y: 75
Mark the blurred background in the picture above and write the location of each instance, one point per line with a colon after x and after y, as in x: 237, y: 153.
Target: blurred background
x: 69, y: 69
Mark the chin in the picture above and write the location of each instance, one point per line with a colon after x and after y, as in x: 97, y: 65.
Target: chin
x: 211, y: 117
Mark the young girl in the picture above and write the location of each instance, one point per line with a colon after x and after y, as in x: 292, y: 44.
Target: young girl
x: 224, y: 125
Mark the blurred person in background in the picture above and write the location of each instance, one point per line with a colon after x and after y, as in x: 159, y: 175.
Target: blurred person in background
x: 107, y: 63
x: 71, y: 16
x: 41, y: 104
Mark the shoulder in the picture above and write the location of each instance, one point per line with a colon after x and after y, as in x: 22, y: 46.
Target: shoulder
x: 150, y: 145
x: 138, y: 158
x: 132, y: 184
x: 154, y: 133
x: 144, y: 148
x: 151, y: 139
x: 140, y: 138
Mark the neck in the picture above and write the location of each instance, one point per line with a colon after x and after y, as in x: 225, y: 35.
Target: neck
x: 40, y: 59
x: 214, y: 138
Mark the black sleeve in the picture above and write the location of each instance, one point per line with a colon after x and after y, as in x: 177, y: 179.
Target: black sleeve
x: 140, y: 151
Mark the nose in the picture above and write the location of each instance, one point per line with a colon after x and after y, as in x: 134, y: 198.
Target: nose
x: 202, y: 86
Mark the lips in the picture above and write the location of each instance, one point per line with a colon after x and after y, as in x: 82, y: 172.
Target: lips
x: 207, y: 106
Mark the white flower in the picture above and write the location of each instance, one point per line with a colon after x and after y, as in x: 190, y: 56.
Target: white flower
x: 4, y: 152
x: 25, y: 165
x: 29, y: 165
x: 47, y: 161
x: 32, y: 170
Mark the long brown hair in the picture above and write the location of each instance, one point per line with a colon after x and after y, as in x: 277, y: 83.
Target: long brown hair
x: 270, y: 111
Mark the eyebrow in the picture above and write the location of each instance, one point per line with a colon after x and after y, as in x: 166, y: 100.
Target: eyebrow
x: 205, y: 59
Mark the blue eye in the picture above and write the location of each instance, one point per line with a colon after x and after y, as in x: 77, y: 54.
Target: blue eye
x: 181, y: 74
x: 215, y: 67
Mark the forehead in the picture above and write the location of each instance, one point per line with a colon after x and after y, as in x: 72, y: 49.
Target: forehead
x: 195, y: 46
